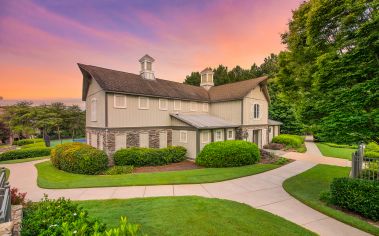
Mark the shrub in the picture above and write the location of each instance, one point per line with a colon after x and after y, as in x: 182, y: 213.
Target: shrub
x: 291, y: 141
x: 358, y: 195
x: 33, y: 145
x: 341, y: 145
x: 372, y: 146
x: 25, y: 153
x: 79, y: 158
x: 228, y: 154
x: 371, y: 154
x: 137, y: 156
x: 118, y: 170
x: 23, y: 142
x: 274, y: 146
x: 17, y: 198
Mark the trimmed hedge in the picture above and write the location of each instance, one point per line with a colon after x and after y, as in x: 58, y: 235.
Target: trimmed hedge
x: 341, y: 145
x: 358, y: 195
x: 289, y: 140
x: 137, y: 156
x: 25, y: 153
x: 228, y: 154
x: 79, y: 158
x: 34, y: 145
x: 23, y: 142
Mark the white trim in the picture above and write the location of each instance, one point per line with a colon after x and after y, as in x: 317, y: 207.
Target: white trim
x: 184, y: 132
x: 115, y: 103
x: 259, y: 111
x: 193, y: 106
x: 93, y: 109
x: 206, y: 107
x: 227, y: 134
x: 175, y: 105
x: 160, y: 104
x: 205, y: 134
x: 139, y: 103
x: 221, y: 133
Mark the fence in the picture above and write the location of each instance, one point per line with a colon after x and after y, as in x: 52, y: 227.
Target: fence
x: 5, y: 198
x: 364, y: 167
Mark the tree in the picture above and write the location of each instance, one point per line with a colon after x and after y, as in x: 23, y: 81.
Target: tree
x: 193, y: 79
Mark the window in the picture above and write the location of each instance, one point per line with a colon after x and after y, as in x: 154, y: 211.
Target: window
x: 148, y: 66
x: 203, y: 78
x: 205, y: 136
x: 205, y: 107
x: 183, y: 136
x: 163, y: 104
x: 256, y: 111
x: 144, y: 139
x: 119, y: 101
x: 177, y: 105
x: 230, y: 134
x: 93, y: 109
x: 209, y: 78
x: 143, y: 103
x: 218, y: 135
x: 193, y: 106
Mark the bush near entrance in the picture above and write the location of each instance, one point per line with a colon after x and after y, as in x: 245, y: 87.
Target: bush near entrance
x: 228, y: 154
x: 291, y: 141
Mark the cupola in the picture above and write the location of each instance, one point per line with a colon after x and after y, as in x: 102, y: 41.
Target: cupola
x: 206, y: 78
x: 147, y: 67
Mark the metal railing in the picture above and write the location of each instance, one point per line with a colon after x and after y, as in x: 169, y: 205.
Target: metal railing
x: 5, y: 198
x: 364, y: 167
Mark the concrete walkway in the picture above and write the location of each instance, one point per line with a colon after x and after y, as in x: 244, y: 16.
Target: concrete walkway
x: 263, y: 191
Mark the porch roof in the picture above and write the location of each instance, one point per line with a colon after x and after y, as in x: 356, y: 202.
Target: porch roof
x: 274, y: 122
x: 204, y: 121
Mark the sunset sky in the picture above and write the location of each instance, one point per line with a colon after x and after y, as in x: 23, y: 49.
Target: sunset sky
x: 41, y: 41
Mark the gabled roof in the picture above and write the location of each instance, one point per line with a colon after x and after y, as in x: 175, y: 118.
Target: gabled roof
x: 204, y: 121
x: 128, y: 83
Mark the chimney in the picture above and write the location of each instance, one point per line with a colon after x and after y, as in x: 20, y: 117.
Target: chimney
x: 147, y: 67
x: 206, y: 78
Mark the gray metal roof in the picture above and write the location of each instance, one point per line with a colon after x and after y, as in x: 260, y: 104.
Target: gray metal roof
x: 204, y: 121
x: 274, y: 122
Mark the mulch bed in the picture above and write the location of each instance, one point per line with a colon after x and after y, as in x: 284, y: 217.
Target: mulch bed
x: 184, y: 165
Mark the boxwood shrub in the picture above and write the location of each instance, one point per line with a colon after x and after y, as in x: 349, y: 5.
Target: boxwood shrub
x: 79, y: 158
x: 358, y: 195
x: 228, y: 154
x: 137, y: 156
x: 293, y: 141
x: 23, y: 142
x: 25, y: 153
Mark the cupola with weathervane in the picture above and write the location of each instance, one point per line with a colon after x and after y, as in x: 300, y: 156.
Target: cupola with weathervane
x: 147, y: 67
x: 206, y: 78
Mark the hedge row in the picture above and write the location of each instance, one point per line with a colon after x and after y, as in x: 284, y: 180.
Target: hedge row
x: 228, y: 154
x: 341, y: 145
x: 291, y: 141
x: 34, y: 145
x: 79, y: 158
x: 137, y: 156
x: 25, y: 153
x: 23, y: 142
x: 358, y: 195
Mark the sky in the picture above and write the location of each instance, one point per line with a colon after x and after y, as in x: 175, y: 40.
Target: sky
x: 41, y: 41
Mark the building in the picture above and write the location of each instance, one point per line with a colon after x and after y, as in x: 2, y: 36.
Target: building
x: 127, y: 110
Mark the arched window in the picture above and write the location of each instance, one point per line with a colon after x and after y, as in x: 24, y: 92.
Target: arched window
x: 256, y: 111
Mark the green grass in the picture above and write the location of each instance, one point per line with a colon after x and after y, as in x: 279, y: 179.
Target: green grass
x: 329, y: 151
x: 54, y: 143
x: 192, y: 216
x: 51, y: 177
x: 308, y: 185
x: 23, y: 160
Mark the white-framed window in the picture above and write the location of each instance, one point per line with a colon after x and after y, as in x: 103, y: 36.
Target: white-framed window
x: 143, y: 103
x: 256, y: 111
x: 119, y: 101
x: 148, y: 65
x: 163, y: 104
x: 144, y: 139
x: 193, y: 106
x: 177, y: 105
x: 205, y: 107
x: 203, y: 78
x: 93, y: 109
x: 210, y: 78
x: 218, y: 135
x: 183, y: 136
x: 230, y: 134
x: 205, y: 136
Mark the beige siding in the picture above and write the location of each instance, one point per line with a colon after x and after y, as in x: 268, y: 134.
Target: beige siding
x: 264, y: 137
x: 94, y: 140
x: 190, y: 145
x: 255, y: 96
x: 176, y: 122
x: 132, y: 116
x: 230, y: 111
x: 203, y: 138
x: 95, y: 92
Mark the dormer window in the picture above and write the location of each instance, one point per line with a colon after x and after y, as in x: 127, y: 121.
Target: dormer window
x: 203, y: 78
x: 147, y: 67
x: 206, y: 78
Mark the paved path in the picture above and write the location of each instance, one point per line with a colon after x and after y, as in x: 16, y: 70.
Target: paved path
x: 263, y: 191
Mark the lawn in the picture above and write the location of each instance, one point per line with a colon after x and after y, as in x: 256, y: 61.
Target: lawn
x: 51, y: 177
x: 54, y: 143
x: 192, y: 216
x: 329, y: 151
x: 23, y: 160
x: 308, y: 185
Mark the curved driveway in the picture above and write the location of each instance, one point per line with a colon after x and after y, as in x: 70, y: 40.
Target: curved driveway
x: 263, y: 191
